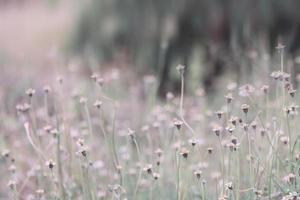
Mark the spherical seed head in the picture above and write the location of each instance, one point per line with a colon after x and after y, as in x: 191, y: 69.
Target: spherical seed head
x: 180, y: 68
x: 184, y: 152
x: 178, y: 124
x: 30, y: 92
x: 50, y: 164
x: 245, y: 108
x: 98, y: 104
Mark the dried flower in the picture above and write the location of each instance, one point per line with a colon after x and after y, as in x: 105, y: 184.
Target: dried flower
x: 229, y: 98
x: 47, y: 89
x: 178, y: 124
x: 98, y: 104
x: 148, y: 168
x: 156, y: 175
x: 50, y: 164
x: 198, y: 173
x: 184, y: 152
x: 245, y: 108
x: 209, y: 150
x: 30, y: 92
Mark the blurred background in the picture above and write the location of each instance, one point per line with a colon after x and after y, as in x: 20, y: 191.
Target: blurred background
x: 213, y: 38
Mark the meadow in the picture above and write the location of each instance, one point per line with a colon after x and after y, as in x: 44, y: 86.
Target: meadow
x: 96, y: 137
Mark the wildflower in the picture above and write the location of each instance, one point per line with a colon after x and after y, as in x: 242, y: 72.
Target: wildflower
x: 184, y: 152
x: 169, y: 96
x: 217, y: 130
x: 290, y: 178
x: 12, y: 184
x: 265, y: 89
x: 230, y: 129
x: 219, y: 114
x: 193, y: 141
x: 5, y: 153
x: 12, y: 169
x: 83, y: 100
x: 23, y: 108
x: 284, y: 140
x: 148, y: 168
x: 47, y: 128
x: 54, y: 132
x: 262, y: 132
x: 178, y: 124
x: 209, y: 150
x: 229, y: 186
x: 158, y: 152
x: 229, y: 98
x: 258, y: 193
x: 234, y: 140
x: 30, y: 92
x: 40, y: 192
x: 231, y: 86
x: 198, y: 173
x: 280, y: 47
x: 47, y: 89
x: 253, y: 125
x: 233, y: 120
x: 83, y: 151
x: 98, y: 104
x: 131, y: 133
x: 245, y: 108
x: 50, y: 164
x: 180, y: 68
x: 292, y: 92
x: 100, y: 81
x: 60, y: 79
x: 156, y: 176
x: 94, y: 77
x: 246, y: 90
